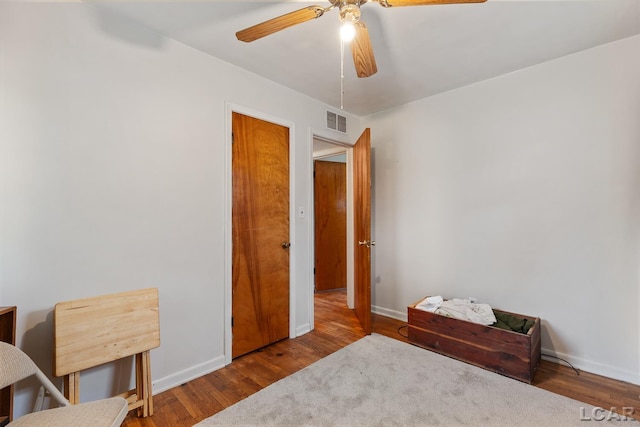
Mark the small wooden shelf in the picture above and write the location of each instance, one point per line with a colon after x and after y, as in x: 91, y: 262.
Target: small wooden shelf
x: 7, y: 334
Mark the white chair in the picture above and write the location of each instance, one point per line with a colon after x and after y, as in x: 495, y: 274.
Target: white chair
x: 16, y: 365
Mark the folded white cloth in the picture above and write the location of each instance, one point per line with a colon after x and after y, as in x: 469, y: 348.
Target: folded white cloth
x: 465, y: 310
x: 430, y: 303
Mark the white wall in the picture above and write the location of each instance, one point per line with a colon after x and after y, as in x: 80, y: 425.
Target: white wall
x: 521, y: 191
x: 112, y: 167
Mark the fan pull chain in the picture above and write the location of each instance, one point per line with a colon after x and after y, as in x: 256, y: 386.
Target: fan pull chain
x: 341, y: 74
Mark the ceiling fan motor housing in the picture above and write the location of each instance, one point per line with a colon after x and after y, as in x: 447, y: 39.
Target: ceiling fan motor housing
x: 349, y: 11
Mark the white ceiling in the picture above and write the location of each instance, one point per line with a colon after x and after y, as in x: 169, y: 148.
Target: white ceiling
x: 420, y: 51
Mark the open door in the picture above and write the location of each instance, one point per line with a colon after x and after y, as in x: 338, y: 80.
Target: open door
x: 362, y: 229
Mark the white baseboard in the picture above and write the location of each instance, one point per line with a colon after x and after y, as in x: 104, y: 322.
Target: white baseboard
x: 593, y: 367
x: 181, y: 377
x: 582, y: 364
x: 303, y: 329
x: 399, y: 315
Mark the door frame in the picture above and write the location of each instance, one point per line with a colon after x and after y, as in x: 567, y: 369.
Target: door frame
x: 340, y: 148
x: 230, y: 108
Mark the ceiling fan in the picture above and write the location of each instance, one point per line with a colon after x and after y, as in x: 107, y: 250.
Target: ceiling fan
x: 349, y: 16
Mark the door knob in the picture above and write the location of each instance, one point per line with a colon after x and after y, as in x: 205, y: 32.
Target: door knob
x: 367, y: 243
x: 286, y: 245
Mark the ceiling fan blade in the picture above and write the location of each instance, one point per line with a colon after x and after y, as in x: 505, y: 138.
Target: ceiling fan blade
x: 280, y: 23
x: 393, y: 3
x: 362, y: 52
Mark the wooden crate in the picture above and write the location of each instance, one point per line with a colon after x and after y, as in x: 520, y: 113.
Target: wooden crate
x: 505, y: 352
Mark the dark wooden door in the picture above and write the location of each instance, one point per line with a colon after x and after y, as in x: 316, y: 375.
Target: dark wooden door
x: 362, y: 229
x: 260, y: 233
x: 330, y: 213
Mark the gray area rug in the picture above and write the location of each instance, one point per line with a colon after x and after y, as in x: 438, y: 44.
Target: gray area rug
x: 379, y: 381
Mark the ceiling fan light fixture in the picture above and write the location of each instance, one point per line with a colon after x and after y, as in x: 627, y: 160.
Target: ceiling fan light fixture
x: 349, y: 16
x: 347, y: 32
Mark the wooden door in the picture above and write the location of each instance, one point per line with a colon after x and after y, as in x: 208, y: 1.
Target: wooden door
x: 362, y: 229
x: 330, y: 213
x: 260, y: 233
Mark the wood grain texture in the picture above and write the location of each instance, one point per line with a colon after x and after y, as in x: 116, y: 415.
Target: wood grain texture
x: 260, y: 225
x: 330, y: 209
x: 71, y: 387
x: 337, y: 327
x: 362, y: 228
x: 505, y: 352
x: 92, y: 331
x: 279, y: 23
x: 362, y: 52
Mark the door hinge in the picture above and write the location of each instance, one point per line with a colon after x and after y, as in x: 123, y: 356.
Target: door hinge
x: 233, y: 137
x: 314, y: 270
x: 232, y: 321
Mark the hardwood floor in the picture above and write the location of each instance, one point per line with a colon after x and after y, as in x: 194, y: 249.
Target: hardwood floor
x: 335, y: 327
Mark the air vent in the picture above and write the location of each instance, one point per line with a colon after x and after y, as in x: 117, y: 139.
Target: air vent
x: 336, y: 122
